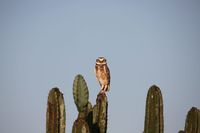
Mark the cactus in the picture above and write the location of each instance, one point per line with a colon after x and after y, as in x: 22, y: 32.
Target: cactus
x: 154, y: 122
x: 192, y: 124
x: 55, y: 115
x: 90, y: 119
x: 93, y: 119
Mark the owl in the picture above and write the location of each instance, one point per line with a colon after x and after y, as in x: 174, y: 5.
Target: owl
x: 103, y: 74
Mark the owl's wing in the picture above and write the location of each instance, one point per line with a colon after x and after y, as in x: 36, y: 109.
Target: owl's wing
x: 108, y: 74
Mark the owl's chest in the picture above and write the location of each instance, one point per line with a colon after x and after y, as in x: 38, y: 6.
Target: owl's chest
x: 101, y: 73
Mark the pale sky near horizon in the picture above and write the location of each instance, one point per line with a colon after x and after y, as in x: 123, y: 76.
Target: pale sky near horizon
x: 44, y: 44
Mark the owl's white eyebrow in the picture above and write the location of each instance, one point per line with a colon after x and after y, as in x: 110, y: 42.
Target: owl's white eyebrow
x: 101, y: 59
x: 100, y: 63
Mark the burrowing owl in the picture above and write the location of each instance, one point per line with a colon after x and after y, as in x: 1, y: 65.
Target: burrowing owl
x: 103, y: 74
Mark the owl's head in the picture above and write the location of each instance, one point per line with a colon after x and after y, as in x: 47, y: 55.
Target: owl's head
x: 101, y: 61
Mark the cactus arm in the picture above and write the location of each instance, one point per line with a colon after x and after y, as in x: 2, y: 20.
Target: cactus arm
x: 80, y: 93
x: 154, y: 122
x: 192, y: 124
x: 102, y: 113
x: 55, y: 115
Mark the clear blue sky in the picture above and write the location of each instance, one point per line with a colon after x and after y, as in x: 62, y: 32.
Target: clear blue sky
x: 44, y: 44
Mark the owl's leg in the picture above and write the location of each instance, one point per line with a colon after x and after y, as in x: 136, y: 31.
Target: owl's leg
x: 106, y: 88
x: 102, y: 89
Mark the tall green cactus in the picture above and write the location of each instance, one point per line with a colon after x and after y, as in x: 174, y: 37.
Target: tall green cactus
x: 90, y: 119
x: 192, y: 124
x: 154, y: 122
x: 55, y: 115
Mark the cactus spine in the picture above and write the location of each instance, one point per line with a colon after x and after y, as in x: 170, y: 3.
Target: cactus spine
x: 55, y: 115
x: 90, y: 119
x: 154, y: 122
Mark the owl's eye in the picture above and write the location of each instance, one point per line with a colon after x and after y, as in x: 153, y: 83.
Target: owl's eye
x: 97, y: 60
